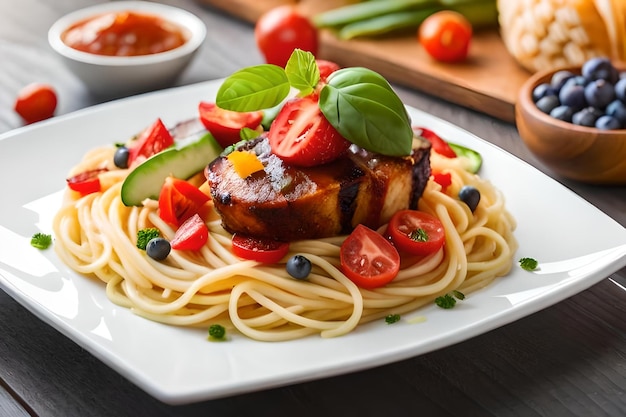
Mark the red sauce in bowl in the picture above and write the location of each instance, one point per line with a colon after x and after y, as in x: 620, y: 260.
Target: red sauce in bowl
x: 124, y: 34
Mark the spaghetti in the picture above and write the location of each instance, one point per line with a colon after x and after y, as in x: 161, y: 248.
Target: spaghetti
x: 96, y: 236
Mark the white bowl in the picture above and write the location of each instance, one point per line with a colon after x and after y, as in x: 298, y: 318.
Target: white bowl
x: 112, y: 76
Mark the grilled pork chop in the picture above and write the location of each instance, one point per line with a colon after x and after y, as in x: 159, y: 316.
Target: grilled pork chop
x: 291, y: 203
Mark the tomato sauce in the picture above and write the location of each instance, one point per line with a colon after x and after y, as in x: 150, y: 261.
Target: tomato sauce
x: 124, y: 34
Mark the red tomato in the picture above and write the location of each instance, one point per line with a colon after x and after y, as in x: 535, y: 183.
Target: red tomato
x: 301, y: 135
x: 416, y: 232
x: 151, y: 141
x: 225, y: 125
x: 36, y: 102
x: 281, y: 30
x: 442, y: 178
x: 326, y: 68
x: 261, y: 250
x: 86, y: 182
x: 191, y: 235
x: 368, y: 259
x: 439, y: 145
x: 179, y: 200
x: 446, y: 36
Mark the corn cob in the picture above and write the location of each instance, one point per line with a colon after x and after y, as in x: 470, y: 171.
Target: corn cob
x: 546, y: 34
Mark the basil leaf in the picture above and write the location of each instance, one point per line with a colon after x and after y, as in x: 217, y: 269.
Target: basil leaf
x: 364, y: 109
x: 302, y: 71
x: 253, y: 88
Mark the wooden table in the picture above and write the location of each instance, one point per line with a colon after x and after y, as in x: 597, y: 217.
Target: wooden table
x: 567, y: 360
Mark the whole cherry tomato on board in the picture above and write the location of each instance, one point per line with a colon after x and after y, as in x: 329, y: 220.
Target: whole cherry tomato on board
x: 416, y: 232
x: 368, y: 259
x: 225, y: 125
x: 36, y: 102
x: 446, y: 36
x: 302, y: 136
x: 281, y: 30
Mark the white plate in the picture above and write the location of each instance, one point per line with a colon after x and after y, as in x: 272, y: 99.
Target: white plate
x: 576, y: 245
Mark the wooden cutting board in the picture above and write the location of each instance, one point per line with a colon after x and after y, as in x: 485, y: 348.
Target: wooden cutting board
x: 487, y: 82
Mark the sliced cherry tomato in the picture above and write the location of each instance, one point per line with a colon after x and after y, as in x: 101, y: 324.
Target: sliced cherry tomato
x: 302, y: 136
x: 326, y: 68
x: 36, y: 102
x: 151, y: 141
x: 439, y: 145
x: 193, y: 234
x: 225, y: 125
x: 281, y: 30
x: 442, y: 178
x: 416, y: 232
x: 258, y: 249
x: 179, y: 200
x: 368, y: 259
x: 446, y: 36
x: 86, y: 182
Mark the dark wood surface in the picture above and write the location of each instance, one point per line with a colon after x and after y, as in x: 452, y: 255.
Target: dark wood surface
x: 567, y: 360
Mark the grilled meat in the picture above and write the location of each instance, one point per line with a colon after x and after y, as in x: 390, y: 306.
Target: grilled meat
x: 291, y: 203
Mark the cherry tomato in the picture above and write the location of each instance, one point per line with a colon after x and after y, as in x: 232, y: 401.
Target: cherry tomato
x: 225, y: 125
x: 86, y: 182
x: 326, y: 68
x: 416, y: 232
x: 151, y: 141
x: 36, y: 102
x: 368, y: 259
x: 193, y: 234
x: 258, y: 249
x: 446, y: 36
x: 179, y: 200
x: 301, y: 135
x: 281, y: 30
x: 439, y: 145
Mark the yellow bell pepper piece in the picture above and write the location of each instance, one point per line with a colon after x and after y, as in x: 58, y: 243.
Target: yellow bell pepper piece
x: 245, y: 163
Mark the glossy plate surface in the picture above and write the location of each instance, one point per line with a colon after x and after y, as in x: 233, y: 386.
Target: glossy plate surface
x: 178, y: 365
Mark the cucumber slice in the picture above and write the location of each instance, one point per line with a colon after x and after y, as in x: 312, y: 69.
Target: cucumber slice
x: 475, y: 160
x: 183, y: 160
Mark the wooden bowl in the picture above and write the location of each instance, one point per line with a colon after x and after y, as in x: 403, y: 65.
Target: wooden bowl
x: 579, y: 153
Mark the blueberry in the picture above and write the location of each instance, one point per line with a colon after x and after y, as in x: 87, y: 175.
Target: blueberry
x: 599, y: 93
x: 607, y: 122
x: 620, y: 89
x: 599, y: 68
x: 562, y: 112
x: 158, y: 248
x: 586, y: 117
x: 547, y: 103
x: 470, y: 196
x: 617, y: 109
x: 299, y: 267
x: 542, y: 90
x: 120, y: 158
x: 573, y: 95
x: 559, y: 78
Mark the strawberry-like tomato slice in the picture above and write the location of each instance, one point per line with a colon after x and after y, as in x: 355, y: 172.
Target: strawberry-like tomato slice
x: 179, y: 200
x: 193, y: 234
x: 151, y: 141
x: 302, y: 136
x: 225, y: 125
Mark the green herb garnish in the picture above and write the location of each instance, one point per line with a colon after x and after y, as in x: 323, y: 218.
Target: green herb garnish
x: 217, y: 332
x: 41, y: 240
x: 146, y: 235
x: 358, y: 102
x: 419, y: 235
x: 392, y: 318
x: 448, y: 301
x: 529, y: 264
